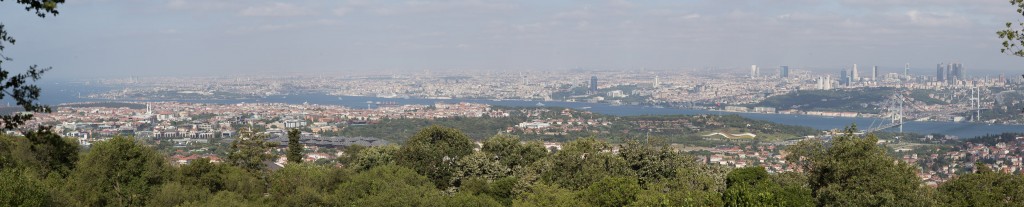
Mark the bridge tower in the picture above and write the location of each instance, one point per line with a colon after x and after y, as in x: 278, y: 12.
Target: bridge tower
x: 901, y: 99
x: 976, y: 103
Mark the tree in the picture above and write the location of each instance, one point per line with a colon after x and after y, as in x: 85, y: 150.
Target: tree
x: 612, y: 191
x: 51, y: 152
x: 300, y: 184
x: 118, y: 172
x: 546, y: 195
x: 17, y: 86
x: 433, y: 152
x: 202, y: 173
x: 470, y: 200
x: 1012, y: 36
x: 983, y: 188
x: 581, y: 163
x: 294, y: 147
x: 20, y: 189
x: 753, y: 186
x: 225, y: 199
x: 652, y: 164
x: 174, y: 194
x: 348, y: 156
x: 479, y: 165
x: 692, y: 185
x: 855, y: 171
x: 40, y: 152
x: 249, y: 150
x: 374, y: 156
x: 388, y: 185
x: 512, y: 152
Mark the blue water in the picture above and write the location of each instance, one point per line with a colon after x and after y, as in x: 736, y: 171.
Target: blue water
x: 56, y: 94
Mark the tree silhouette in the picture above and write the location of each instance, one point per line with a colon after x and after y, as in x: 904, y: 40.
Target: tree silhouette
x: 17, y: 85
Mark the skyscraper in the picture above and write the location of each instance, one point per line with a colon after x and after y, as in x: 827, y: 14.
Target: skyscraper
x: 949, y: 74
x: 855, y: 75
x: 874, y: 73
x: 656, y: 82
x: 754, y: 71
x: 593, y: 84
x: 940, y: 73
x: 828, y: 82
x: 906, y: 71
x: 784, y: 71
x: 844, y: 79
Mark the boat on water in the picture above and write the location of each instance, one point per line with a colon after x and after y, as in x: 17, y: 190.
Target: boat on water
x: 540, y: 104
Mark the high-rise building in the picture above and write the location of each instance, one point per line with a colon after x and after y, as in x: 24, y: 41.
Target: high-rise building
x: 940, y: 73
x: 957, y: 71
x: 844, y: 78
x: 820, y: 83
x: 657, y: 82
x: 906, y: 71
x: 593, y: 84
x: 828, y: 82
x: 949, y: 74
x: 754, y: 71
x: 855, y: 75
x: 784, y: 71
x: 874, y: 73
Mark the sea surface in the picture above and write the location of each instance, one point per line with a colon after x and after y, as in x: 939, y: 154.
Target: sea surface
x: 69, y: 93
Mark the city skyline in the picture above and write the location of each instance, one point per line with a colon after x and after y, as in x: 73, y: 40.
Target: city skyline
x: 196, y: 38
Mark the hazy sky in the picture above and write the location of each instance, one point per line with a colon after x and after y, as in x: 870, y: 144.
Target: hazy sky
x: 216, y: 37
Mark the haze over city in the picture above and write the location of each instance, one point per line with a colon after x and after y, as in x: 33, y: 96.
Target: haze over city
x: 96, y: 38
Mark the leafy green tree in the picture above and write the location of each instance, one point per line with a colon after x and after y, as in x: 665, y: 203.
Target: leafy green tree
x: 512, y: 152
x: 118, y: 172
x: 21, y: 189
x: 479, y: 165
x: 547, y: 195
x: 855, y: 171
x: 202, y: 173
x: 795, y: 191
x: 242, y: 182
x: 388, y: 185
x: 503, y: 190
x: 693, y: 185
x: 174, y: 194
x: 753, y: 186
x: 1013, y: 35
x: 374, y: 156
x: 51, y: 152
x: 300, y: 185
x: 226, y: 199
x: 983, y: 188
x: 348, y: 155
x: 652, y: 164
x: 17, y: 86
x: 470, y: 200
x: 581, y: 163
x: 433, y: 152
x: 294, y: 147
x: 249, y: 150
x: 612, y: 191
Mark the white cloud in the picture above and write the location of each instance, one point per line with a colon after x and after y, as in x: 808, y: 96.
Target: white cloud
x: 936, y: 19
x: 341, y: 11
x: 276, y: 10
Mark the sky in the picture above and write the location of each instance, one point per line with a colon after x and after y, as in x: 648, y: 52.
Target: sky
x: 108, y: 38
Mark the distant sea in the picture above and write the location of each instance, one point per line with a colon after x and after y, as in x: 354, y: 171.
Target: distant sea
x: 69, y: 93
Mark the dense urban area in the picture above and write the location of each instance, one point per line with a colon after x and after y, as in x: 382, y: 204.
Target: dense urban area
x: 577, y: 136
